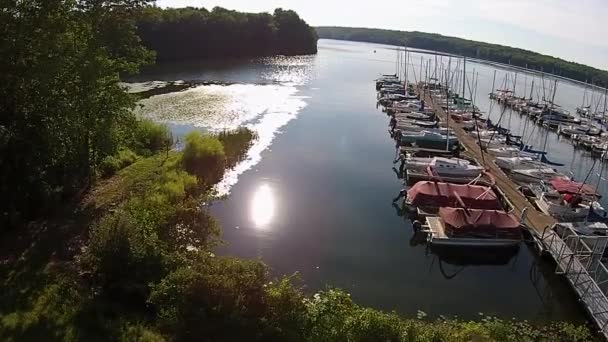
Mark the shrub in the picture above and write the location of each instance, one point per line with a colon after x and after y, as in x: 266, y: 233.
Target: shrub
x: 140, y: 333
x: 204, y: 157
x: 178, y: 185
x: 124, y: 256
x: 236, y: 144
x: 151, y: 137
x: 109, y: 166
x: 216, y: 299
x: 112, y: 164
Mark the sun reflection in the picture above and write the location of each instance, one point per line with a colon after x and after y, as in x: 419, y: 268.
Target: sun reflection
x: 262, y: 206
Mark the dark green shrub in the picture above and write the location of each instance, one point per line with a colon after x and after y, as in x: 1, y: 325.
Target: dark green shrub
x: 204, y: 157
x: 216, y: 299
x: 151, y: 137
x: 236, y: 144
x: 124, y: 256
x: 112, y: 164
x: 109, y: 166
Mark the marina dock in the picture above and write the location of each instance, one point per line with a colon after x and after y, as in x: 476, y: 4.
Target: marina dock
x: 427, y: 113
x: 578, y: 257
x: 534, y: 219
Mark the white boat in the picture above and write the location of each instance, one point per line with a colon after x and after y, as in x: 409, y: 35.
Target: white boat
x: 510, y: 152
x: 511, y: 163
x: 567, y: 200
x: 535, y: 175
x: 569, y: 130
x: 419, y: 163
x: 552, y: 204
x: 448, y: 167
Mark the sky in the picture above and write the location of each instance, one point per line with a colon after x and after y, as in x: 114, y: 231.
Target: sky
x: 575, y: 30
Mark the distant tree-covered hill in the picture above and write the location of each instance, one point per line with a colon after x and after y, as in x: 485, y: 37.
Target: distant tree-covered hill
x: 469, y: 48
x: 195, y: 33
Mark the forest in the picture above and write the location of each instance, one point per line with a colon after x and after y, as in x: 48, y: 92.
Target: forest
x: 469, y: 48
x: 178, y: 34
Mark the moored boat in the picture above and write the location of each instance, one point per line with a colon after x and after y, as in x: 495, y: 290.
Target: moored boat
x: 459, y: 227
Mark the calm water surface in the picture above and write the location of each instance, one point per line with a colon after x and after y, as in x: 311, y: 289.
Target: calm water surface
x: 315, y: 194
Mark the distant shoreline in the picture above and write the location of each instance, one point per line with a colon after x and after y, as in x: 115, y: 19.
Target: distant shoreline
x: 493, y: 54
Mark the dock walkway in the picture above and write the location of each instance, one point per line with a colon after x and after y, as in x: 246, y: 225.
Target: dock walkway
x: 535, y: 220
x: 577, y: 257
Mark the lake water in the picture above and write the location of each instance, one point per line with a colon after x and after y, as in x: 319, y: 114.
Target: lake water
x: 315, y: 193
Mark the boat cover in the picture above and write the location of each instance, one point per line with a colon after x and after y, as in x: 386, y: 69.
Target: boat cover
x: 566, y: 186
x: 459, y: 219
x: 439, y: 194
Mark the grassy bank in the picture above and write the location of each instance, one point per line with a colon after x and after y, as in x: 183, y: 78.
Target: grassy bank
x: 133, y: 261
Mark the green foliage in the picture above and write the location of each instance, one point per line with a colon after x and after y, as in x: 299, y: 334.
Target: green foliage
x: 51, y: 314
x: 236, y: 144
x: 151, y: 137
x: 204, y: 157
x: 222, y: 299
x: 140, y: 333
x: 62, y: 111
x: 124, y: 255
x: 470, y: 48
x: 111, y: 164
x: 178, y: 34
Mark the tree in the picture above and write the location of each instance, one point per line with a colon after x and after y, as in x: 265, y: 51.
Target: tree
x: 178, y: 34
x: 62, y: 110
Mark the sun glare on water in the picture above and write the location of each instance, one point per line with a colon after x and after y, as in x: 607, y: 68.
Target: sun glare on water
x: 262, y: 206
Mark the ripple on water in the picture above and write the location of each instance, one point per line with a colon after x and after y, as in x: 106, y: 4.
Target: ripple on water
x: 262, y: 108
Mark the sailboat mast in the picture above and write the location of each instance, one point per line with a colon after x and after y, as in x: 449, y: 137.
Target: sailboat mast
x: 447, y: 115
x: 464, y: 74
x: 406, y: 66
x: 531, y: 89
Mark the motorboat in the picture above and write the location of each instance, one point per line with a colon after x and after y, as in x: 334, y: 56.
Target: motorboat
x: 411, y: 137
x: 511, y: 163
x: 422, y: 164
x: 565, y: 200
x: 535, y: 174
x: 508, y: 151
x: 569, y: 130
x: 473, y: 228
x: 429, y: 196
x: 454, y: 167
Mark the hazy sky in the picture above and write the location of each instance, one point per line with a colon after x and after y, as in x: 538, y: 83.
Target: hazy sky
x: 576, y: 30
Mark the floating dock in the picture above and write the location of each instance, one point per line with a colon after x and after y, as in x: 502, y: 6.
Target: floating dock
x: 577, y: 257
x: 534, y: 220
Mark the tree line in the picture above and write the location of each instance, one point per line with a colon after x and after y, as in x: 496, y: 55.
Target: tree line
x: 469, y: 48
x: 178, y: 34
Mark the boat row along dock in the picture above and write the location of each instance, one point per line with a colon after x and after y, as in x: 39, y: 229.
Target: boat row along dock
x: 471, y: 185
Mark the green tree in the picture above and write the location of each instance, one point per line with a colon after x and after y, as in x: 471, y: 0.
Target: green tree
x: 62, y: 110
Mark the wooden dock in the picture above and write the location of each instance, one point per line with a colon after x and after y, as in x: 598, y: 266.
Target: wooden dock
x: 577, y: 257
x: 535, y: 220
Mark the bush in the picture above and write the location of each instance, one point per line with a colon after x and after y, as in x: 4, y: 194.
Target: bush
x: 204, y: 157
x: 140, y: 333
x: 151, y: 137
x: 112, y: 164
x: 109, y: 166
x: 124, y: 256
x: 236, y: 144
x: 216, y: 299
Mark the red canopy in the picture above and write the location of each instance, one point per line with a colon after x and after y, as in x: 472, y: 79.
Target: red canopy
x: 565, y: 186
x: 436, y: 194
x: 475, y: 219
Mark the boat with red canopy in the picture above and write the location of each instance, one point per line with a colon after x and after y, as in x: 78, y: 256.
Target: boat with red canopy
x: 567, y: 186
x: 474, y: 228
x: 438, y: 194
